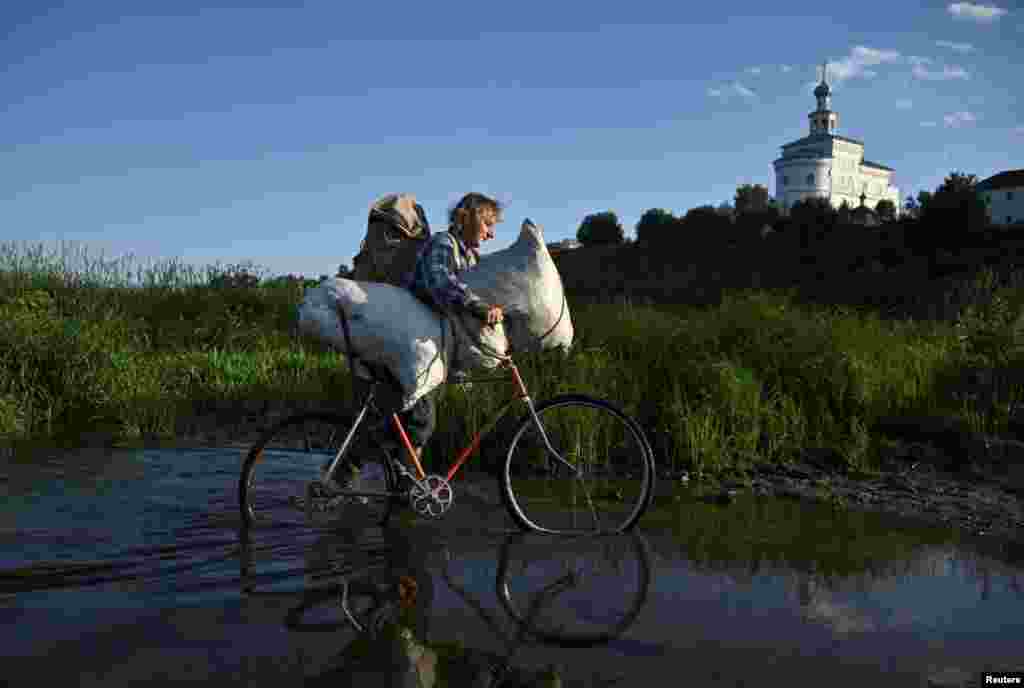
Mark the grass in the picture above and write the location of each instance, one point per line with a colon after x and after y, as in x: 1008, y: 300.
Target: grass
x: 754, y: 375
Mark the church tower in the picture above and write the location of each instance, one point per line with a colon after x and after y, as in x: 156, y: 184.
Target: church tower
x: 827, y: 165
x: 823, y: 120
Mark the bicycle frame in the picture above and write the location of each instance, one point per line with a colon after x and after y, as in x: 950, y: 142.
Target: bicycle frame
x: 520, y: 394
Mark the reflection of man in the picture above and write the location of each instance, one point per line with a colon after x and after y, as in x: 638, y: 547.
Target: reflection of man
x: 393, y: 652
x: 408, y: 569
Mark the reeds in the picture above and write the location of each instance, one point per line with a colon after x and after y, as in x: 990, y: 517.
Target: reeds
x: 755, y: 376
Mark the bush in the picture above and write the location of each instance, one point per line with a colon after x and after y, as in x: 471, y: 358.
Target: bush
x: 234, y: 277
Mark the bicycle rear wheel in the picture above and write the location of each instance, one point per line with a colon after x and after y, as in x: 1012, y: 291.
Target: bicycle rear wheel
x: 602, y: 482
x: 280, y: 481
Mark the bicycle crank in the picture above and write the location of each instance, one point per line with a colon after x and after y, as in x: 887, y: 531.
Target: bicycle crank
x: 431, y: 497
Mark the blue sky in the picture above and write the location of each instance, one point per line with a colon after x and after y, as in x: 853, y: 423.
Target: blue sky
x: 223, y: 131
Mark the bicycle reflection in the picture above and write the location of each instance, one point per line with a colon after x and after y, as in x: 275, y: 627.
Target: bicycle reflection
x: 376, y: 593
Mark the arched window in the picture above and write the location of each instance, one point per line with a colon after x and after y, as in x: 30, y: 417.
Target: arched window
x: 810, y: 179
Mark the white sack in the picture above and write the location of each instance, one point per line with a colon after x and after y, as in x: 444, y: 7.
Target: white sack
x: 523, y: 280
x: 390, y: 326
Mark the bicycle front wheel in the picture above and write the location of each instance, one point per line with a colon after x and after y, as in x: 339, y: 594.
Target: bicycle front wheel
x: 280, y: 481
x: 594, y: 474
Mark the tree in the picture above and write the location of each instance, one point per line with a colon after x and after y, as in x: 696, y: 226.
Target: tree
x: 751, y: 223
x: 956, y: 207
x: 601, y: 229
x: 707, y: 221
x: 886, y: 210
x: 344, y: 271
x: 911, y: 207
x: 752, y: 198
x: 814, y: 211
x: 813, y: 219
x: 754, y: 210
x: 923, y: 199
x: 844, y: 215
x: 655, y: 225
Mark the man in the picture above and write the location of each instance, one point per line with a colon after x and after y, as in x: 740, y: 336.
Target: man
x: 435, y: 281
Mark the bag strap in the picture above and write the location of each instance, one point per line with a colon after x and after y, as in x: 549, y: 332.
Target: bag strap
x: 349, y: 351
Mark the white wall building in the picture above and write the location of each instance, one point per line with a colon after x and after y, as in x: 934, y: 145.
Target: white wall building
x: 826, y: 165
x: 1004, y: 196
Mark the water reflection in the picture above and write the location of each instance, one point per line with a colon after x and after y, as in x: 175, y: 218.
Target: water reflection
x: 110, y: 549
x: 363, y: 588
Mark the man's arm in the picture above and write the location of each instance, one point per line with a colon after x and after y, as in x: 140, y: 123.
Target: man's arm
x: 443, y: 283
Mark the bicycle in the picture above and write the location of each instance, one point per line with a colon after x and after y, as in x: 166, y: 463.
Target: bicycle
x: 568, y: 456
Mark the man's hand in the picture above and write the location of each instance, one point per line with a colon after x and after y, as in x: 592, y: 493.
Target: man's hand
x: 495, y: 315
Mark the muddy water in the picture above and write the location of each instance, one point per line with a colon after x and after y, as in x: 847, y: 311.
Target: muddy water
x: 126, y: 565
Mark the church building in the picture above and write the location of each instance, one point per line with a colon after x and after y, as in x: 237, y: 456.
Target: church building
x: 826, y: 165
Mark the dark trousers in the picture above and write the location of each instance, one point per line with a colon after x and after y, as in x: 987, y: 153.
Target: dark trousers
x: 419, y: 421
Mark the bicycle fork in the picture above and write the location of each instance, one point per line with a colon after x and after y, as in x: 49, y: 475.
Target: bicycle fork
x: 576, y: 470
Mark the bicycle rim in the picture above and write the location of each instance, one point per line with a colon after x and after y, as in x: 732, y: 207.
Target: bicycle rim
x: 574, y: 592
x: 605, y: 484
x: 279, y: 470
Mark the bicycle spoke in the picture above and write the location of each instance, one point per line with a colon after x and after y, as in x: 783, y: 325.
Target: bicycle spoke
x: 600, y: 480
x: 282, y: 475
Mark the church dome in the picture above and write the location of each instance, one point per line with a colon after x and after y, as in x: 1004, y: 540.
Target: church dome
x: 822, y: 90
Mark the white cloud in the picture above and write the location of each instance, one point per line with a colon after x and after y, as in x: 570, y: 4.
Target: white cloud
x: 903, y: 104
x: 917, y: 60
x: 929, y: 124
x: 947, y: 73
x: 958, y: 47
x: 786, y: 69
x: 957, y: 119
x: 857, y: 62
x: 979, y: 13
x: 734, y: 89
x: 743, y: 90
x: 753, y: 70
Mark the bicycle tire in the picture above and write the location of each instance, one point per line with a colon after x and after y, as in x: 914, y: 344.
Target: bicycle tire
x: 533, y: 626
x: 290, y: 455
x: 534, y: 486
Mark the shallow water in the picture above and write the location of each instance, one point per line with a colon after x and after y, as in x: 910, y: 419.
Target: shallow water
x: 120, y: 565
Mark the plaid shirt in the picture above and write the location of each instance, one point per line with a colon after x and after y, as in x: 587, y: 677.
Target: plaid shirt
x: 434, y: 276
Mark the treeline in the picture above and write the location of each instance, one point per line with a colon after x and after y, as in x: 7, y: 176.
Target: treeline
x: 944, y: 218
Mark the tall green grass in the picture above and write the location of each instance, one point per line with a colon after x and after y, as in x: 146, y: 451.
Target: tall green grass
x: 756, y: 377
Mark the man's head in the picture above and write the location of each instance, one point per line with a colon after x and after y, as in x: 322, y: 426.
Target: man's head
x: 474, y: 217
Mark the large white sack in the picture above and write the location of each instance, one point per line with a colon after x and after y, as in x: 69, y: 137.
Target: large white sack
x: 524, y: 280
x: 390, y: 326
